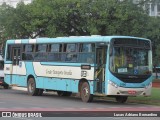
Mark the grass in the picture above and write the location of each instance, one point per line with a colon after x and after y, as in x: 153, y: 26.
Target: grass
x: 154, y: 99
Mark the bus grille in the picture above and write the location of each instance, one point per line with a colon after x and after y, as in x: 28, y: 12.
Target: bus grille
x: 131, y: 80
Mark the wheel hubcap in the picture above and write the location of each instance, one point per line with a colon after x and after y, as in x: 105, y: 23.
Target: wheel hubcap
x: 30, y: 87
x: 85, y: 92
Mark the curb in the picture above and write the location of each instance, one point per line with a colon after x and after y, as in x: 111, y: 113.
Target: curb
x: 25, y: 89
x: 19, y: 88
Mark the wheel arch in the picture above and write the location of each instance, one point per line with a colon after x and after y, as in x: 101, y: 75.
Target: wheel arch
x: 86, y: 96
x: 80, y: 83
x: 30, y: 76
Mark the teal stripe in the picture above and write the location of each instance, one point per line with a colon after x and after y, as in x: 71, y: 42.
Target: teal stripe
x: 8, y: 62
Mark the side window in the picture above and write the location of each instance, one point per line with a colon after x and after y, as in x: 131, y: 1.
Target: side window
x: 28, y: 52
x: 41, y: 48
x: 55, y: 51
x: 71, y: 53
x: 86, y: 53
x: 41, y: 52
x: 87, y: 47
x: 55, y: 47
x: 71, y: 48
x: 29, y: 48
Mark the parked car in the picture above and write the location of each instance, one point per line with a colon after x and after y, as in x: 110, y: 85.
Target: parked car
x: 2, y: 83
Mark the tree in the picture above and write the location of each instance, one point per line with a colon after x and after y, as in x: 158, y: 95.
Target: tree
x: 114, y: 17
x: 73, y: 17
x: 6, y: 22
x: 153, y: 30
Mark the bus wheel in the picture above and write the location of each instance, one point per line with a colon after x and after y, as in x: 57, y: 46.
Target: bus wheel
x: 64, y: 93
x: 31, y: 87
x: 85, y: 92
x: 121, y: 99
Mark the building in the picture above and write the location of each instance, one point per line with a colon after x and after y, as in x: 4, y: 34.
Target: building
x: 153, y: 7
x: 13, y: 3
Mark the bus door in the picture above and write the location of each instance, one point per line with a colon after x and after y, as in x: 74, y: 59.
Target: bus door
x: 100, y: 70
x: 16, y: 57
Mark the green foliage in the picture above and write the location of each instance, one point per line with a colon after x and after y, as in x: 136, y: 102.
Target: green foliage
x: 6, y: 21
x: 73, y: 17
x: 151, y: 100
x: 152, y: 32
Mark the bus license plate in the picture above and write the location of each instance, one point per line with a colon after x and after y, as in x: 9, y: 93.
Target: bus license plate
x: 132, y: 92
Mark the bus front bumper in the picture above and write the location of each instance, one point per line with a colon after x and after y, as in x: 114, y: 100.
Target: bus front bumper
x: 122, y: 91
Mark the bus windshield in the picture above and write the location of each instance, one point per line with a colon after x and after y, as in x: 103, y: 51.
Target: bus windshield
x: 130, y: 60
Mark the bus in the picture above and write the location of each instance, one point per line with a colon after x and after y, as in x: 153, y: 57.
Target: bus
x: 114, y: 66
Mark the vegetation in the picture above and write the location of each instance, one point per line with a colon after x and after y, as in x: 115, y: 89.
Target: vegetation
x: 151, y: 100
x: 79, y: 17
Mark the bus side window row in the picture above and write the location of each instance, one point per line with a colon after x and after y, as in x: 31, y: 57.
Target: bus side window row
x: 59, y: 57
x: 66, y: 52
x: 70, y: 47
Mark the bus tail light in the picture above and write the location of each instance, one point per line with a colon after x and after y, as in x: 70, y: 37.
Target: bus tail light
x: 113, y: 84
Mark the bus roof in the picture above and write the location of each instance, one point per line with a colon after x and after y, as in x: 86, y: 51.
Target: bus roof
x: 70, y: 39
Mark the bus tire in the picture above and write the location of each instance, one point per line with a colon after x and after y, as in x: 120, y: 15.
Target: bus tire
x: 121, y: 99
x: 86, y: 96
x: 64, y: 93
x: 31, y: 87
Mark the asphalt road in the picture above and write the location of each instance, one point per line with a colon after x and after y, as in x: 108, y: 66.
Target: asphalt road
x: 50, y: 104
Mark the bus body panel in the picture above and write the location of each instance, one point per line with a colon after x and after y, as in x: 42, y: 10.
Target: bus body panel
x: 7, y: 79
x: 44, y: 76
x: 62, y: 71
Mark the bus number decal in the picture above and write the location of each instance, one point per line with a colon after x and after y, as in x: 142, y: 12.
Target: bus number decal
x: 20, y: 64
x: 83, y: 73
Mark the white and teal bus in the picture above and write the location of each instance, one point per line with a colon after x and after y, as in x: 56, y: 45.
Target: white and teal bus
x: 115, y: 66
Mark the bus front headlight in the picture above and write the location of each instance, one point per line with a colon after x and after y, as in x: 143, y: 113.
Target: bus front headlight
x: 112, y: 83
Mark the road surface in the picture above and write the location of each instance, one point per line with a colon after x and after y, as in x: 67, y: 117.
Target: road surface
x: 50, y: 104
